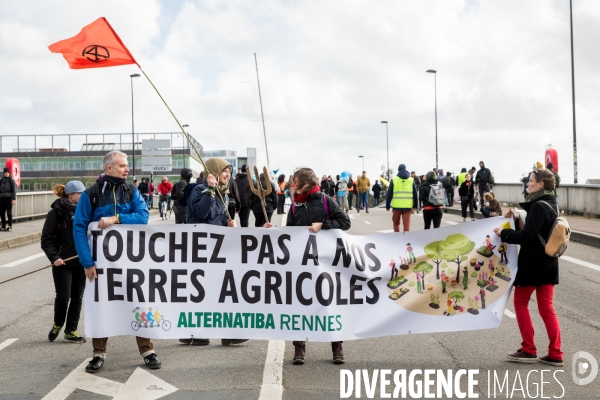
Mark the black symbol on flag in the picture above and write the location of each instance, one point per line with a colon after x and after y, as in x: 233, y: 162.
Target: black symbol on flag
x: 96, y: 53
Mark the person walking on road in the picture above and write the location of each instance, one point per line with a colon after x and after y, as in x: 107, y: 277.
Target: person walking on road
x: 363, y: 184
x: 342, y: 194
x: 115, y: 202
x: 241, y: 180
x: 325, y: 185
x: 538, y: 272
x: 281, y: 194
x: 432, y: 203
x: 448, y: 184
x: 466, y: 191
x: 164, y: 190
x: 144, y: 190
x: 402, y: 198
x: 313, y: 209
x: 351, y: 191
x: 482, y: 179
x: 69, y: 277
x: 205, y: 206
x: 8, y: 198
x: 376, y: 193
x: 177, y: 194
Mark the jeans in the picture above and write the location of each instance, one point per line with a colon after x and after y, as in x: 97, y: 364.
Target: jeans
x: 482, y: 190
x: 434, y: 215
x: 363, y: 201
x: 147, y: 200
x: 244, y: 216
x: 376, y: 199
x: 343, y: 201
x: 6, y: 207
x: 463, y: 206
x: 161, y: 200
x: 486, y: 212
x: 544, y: 296
x: 69, y: 283
x: 259, y: 217
x: 405, y: 216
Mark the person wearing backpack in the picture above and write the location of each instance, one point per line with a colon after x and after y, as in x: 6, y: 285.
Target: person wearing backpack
x: 537, y: 271
x: 432, y: 197
x: 68, y: 276
x: 177, y: 194
x: 314, y: 209
x: 466, y: 191
x: 342, y: 194
x: 448, y: 184
x: 401, y: 197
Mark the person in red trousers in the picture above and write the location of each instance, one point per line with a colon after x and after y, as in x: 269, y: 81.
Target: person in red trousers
x: 538, y: 272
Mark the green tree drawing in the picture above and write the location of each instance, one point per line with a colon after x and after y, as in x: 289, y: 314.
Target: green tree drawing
x: 423, y: 268
x: 457, y: 296
x: 433, y: 253
x: 455, y: 249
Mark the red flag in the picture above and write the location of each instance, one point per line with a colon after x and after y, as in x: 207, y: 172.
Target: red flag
x: 96, y: 46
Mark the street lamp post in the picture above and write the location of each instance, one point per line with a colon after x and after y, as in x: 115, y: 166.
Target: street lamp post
x: 363, y: 160
x: 132, y: 127
x: 183, y: 144
x: 434, y: 72
x: 573, y: 95
x: 387, y: 144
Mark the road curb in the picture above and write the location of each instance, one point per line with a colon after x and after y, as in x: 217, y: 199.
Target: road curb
x: 576, y: 236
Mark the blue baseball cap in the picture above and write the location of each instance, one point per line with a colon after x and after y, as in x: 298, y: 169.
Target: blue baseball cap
x: 74, y: 187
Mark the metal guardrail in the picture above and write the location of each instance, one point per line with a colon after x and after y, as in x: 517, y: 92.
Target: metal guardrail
x: 583, y: 199
x: 32, y: 204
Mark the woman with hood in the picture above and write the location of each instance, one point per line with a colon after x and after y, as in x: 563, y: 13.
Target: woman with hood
x: 206, y: 206
x: 256, y: 206
x: 69, y: 276
x: 466, y: 191
x: 431, y: 212
x: 314, y: 209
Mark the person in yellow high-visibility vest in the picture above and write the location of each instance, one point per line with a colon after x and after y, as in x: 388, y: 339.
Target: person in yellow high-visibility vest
x: 461, y: 177
x: 401, y: 198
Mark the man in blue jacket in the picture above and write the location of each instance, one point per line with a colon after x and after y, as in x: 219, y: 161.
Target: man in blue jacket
x: 111, y: 200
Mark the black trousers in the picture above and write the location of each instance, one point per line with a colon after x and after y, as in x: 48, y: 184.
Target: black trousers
x: 244, y: 216
x: 280, y: 203
x: 180, y: 214
x: 463, y: 206
x: 69, y: 283
x: 482, y: 190
x: 450, y: 195
x: 6, y: 208
x: 432, y: 215
x: 231, y: 211
x: 259, y: 217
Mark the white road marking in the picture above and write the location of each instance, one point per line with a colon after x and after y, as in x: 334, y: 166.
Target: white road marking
x: 23, y: 260
x: 367, y: 222
x: 386, y: 231
x: 451, y: 222
x: 272, y: 385
x: 581, y: 262
x: 509, y: 313
x: 7, y: 343
x: 143, y: 385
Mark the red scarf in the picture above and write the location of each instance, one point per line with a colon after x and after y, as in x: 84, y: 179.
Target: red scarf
x: 302, y: 198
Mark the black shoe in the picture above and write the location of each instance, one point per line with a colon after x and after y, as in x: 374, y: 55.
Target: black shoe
x: 95, y: 365
x: 550, y: 361
x: 195, y: 342
x: 9, y: 229
x: 152, y: 361
x: 227, y: 342
x: 53, y: 334
x: 3, y: 229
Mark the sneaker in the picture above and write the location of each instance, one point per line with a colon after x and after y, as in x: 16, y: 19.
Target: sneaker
x: 473, y: 219
x: 3, y: 229
x: 227, y: 342
x: 73, y: 337
x: 299, y: 352
x: 9, y: 229
x: 195, y: 342
x: 95, y: 365
x: 549, y: 361
x: 53, y: 334
x: 521, y: 356
x: 152, y: 361
x: 338, y: 353
x: 464, y: 220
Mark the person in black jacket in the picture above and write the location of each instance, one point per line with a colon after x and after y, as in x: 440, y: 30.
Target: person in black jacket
x: 69, y: 276
x: 483, y: 179
x: 466, y: 191
x: 431, y: 212
x: 177, y: 194
x: 241, y: 180
x: 8, y: 198
x: 376, y: 193
x: 234, y: 199
x: 537, y: 271
x: 314, y: 209
x: 270, y: 204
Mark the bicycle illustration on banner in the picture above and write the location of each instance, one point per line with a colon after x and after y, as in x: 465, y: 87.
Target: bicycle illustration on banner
x: 149, y: 319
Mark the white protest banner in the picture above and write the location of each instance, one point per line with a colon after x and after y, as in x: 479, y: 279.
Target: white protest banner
x: 178, y: 281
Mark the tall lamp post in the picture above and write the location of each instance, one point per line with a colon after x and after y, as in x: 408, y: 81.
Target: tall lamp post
x: 434, y: 72
x: 183, y: 144
x: 363, y: 160
x: 132, y: 127
x: 573, y: 94
x: 387, y: 145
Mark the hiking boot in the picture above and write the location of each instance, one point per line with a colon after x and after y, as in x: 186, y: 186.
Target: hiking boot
x: 73, y: 337
x: 338, y: 352
x: 152, y: 361
x: 195, y: 342
x: 227, y: 342
x: 521, y: 356
x: 95, y: 365
x: 549, y: 361
x: 299, y: 352
x: 53, y: 334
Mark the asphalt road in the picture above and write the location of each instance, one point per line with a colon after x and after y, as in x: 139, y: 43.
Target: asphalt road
x: 31, y: 367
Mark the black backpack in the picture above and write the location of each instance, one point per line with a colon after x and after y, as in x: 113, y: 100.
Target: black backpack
x: 182, y: 202
x: 95, y: 194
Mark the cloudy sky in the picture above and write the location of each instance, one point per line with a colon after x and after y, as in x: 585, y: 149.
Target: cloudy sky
x: 330, y: 72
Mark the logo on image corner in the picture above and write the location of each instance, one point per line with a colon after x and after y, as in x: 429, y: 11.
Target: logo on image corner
x: 149, y: 318
x: 584, y: 363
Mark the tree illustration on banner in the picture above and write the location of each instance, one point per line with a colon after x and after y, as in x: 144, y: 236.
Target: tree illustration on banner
x: 455, y: 249
x: 457, y: 296
x: 422, y: 269
x: 432, y: 252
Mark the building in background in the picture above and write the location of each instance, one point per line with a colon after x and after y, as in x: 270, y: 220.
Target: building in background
x: 49, y: 159
x: 231, y: 157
